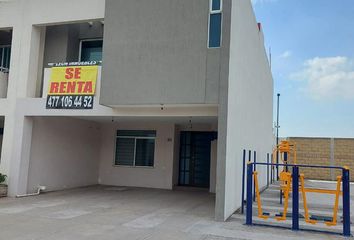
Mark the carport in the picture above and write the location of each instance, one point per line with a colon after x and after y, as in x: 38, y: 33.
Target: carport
x: 70, y: 152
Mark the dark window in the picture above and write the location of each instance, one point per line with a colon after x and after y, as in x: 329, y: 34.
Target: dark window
x: 5, y: 53
x: 125, y: 151
x: 215, y: 5
x: 135, y: 148
x: 215, y: 30
x: 145, y: 152
x: 91, y: 50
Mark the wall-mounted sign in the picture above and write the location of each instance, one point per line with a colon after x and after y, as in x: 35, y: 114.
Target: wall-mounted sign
x: 72, y: 87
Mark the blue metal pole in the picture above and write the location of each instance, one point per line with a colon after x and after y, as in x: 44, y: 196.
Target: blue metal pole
x: 267, y: 169
x: 346, y: 202
x: 271, y: 171
x: 295, y: 214
x: 243, y: 181
x: 277, y: 140
x: 254, y: 169
x: 249, y: 194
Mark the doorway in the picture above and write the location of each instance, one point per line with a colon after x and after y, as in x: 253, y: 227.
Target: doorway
x: 194, y: 162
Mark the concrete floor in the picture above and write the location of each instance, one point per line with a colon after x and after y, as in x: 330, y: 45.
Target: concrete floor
x: 127, y: 213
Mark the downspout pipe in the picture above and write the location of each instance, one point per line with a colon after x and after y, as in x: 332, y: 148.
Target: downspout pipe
x: 40, y: 189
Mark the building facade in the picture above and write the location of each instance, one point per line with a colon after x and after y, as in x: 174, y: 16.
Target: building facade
x: 181, y: 88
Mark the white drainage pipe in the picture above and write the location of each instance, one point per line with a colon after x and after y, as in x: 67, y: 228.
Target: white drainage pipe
x: 40, y: 188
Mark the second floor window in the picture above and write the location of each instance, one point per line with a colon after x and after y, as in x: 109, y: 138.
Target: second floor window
x: 215, y: 24
x: 5, y: 52
x: 91, y: 50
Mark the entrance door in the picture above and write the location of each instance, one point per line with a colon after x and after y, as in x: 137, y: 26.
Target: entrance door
x: 194, y: 164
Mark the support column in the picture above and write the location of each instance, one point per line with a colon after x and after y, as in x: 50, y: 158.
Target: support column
x: 346, y: 201
x: 295, y: 218
x: 18, y: 128
x: 332, y: 161
x: 32, y: 59
x: 16, y: 154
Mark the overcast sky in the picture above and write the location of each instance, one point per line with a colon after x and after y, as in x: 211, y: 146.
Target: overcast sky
x: 312, y: 44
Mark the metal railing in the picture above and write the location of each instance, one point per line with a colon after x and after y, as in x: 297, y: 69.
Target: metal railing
x: 5, y: 53
x: 295, y: 192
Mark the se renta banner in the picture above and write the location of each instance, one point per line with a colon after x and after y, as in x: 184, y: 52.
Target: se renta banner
x: 72, y: 86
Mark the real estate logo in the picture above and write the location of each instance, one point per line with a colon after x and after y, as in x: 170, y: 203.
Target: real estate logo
x: 72, y: 86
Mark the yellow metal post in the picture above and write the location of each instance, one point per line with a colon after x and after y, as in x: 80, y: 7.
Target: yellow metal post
x: 258, y: 196
x: 303, y: 192
x: 336, y: 202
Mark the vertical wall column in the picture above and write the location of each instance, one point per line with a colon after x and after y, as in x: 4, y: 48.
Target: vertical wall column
x: 26, y: 62
x: 221, y: 163
x: 21, y: 84
x: 17, y: 145
x: 332, y: 160
x: 11, y: 101
x: 34, y: 61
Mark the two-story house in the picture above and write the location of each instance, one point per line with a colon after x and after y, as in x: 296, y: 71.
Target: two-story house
x: 180, y: 89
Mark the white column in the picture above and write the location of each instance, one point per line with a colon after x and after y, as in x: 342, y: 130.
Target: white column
x: 18, y: 139
x: 18, y: 128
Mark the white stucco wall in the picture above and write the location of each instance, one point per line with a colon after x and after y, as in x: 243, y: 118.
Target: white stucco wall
x: 64, y: 153
x: 249, y: 104
x: 160, y: 176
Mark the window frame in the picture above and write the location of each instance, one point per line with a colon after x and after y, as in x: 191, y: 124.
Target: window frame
x: 212, y: 12
x: 135, y: 140
x: 2, y: 58
x: 87, y: 40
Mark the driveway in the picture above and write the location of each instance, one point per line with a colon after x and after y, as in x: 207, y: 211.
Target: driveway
x: 103, y: 212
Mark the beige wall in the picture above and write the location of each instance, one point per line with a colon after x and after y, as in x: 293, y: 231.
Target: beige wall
x: 160, y: 176
x: 64, y: 153
x: 166, y: 165
x: 324, y: 151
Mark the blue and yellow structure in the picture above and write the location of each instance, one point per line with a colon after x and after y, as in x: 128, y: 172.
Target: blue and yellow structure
x: 294, y: 182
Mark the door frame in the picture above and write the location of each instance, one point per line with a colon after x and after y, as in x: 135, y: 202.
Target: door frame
x: 182, y: 167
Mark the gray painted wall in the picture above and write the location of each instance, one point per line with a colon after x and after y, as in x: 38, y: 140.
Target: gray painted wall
x: 156, y: 52
x: 56, y: 41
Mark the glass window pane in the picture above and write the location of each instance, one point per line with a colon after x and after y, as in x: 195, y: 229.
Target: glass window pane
x: 125, y: 151
x: 7, y: 58
x: 216, y: 5
x: 215, y: 30
x: 145, y: 149
x: 5, y: 54
x: 91, y: 50
x: 1, y: 54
